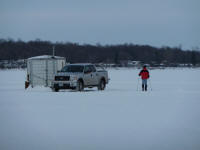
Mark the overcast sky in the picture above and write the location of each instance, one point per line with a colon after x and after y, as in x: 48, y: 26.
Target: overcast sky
x: 153, y: 22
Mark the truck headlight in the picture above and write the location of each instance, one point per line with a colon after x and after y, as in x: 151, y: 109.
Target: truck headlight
x: 73, y: 78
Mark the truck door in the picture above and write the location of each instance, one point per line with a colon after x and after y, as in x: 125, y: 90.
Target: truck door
x: 87, y: 75
x: 94, y: 75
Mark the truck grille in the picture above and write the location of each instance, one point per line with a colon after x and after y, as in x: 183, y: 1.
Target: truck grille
x: 62, y: 78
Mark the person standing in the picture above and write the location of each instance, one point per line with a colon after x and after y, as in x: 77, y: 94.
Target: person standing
x: 144, y: 73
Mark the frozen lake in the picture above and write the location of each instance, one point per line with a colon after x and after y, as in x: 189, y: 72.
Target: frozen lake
x: 119, y: 118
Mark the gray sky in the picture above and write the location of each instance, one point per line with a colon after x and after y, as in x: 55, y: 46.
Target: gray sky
x: 154, y: 22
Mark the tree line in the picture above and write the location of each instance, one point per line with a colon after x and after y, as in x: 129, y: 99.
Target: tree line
x: 77, y: 53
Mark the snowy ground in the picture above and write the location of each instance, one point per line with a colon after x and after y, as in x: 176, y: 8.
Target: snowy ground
x: 119, y: 118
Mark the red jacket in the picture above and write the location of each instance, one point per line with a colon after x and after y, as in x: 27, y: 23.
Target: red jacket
x: 144, y: 73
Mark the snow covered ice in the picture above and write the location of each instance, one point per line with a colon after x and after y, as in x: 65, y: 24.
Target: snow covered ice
x: 119, y: 118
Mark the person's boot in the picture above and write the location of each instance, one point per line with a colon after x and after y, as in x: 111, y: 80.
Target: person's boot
x: 145, y: 87
x: 142, y: 87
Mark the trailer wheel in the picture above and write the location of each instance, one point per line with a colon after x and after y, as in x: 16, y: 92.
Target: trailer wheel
x: 55, y: 89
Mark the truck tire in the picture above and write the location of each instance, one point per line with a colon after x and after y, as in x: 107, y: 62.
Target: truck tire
x: 102, y: 85
x: 80, y: 85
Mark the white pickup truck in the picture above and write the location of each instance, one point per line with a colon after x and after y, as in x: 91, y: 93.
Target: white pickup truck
x: 79, y: 76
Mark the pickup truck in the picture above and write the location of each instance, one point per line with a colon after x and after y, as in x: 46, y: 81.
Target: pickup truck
x: 80, y: 76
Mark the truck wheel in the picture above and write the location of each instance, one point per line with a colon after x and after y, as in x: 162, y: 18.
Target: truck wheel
x: 102, y: 85
x: 80, y: 85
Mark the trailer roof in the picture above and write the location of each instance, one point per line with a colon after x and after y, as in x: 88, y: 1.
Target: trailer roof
x: 45, y: 57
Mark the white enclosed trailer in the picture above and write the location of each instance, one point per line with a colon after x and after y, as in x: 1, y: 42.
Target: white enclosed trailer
x: 41, y: 69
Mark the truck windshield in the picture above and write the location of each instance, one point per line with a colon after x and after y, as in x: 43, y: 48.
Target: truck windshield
x: 72, y: 68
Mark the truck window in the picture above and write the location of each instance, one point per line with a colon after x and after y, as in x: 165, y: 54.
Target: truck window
x: 87, y: 69
x: 72, y: 68
x: 92, y: 68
